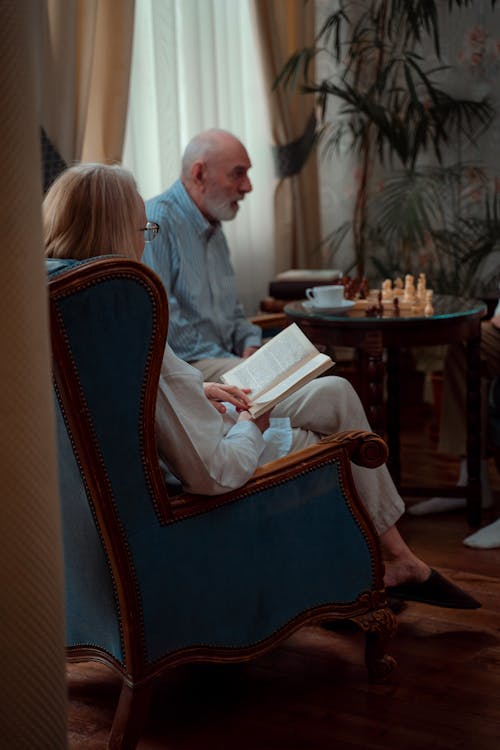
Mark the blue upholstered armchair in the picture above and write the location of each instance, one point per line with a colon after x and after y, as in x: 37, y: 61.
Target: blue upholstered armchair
x: 155, y: 577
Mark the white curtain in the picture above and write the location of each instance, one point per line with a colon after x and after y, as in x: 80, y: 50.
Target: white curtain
x: 195, y: 65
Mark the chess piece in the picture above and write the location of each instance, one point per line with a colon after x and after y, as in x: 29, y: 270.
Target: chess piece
x: 387, y: 290
x: 421, y: 289
x: 397, y: 289
x: 380, y: 306
x: 349, y: 288
x: 409, y: 289
x: 429, y: 307
x: 364, y: 289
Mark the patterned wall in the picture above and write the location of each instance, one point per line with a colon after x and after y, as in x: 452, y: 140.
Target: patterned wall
x: 470, y: 41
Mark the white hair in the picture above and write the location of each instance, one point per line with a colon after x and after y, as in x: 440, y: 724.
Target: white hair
x: 203, y: 146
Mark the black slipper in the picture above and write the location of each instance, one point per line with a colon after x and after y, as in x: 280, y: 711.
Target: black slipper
x: 436, y: 590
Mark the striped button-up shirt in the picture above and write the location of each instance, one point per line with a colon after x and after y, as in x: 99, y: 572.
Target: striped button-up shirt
x: 191, y: 256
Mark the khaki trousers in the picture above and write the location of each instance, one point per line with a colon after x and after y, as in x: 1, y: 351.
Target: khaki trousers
x: 452, y: 429
x: 325, y: 406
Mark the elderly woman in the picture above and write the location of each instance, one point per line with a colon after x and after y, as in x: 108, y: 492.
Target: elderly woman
x: 206, y: 436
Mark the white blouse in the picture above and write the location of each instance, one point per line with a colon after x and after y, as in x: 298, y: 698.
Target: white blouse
x: 208, y: 452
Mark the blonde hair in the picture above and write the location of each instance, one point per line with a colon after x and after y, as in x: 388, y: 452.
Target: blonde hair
x: 90, y: 210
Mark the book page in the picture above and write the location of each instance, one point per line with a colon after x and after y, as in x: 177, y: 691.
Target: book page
x: 296, y: 376
x: 273, y: 361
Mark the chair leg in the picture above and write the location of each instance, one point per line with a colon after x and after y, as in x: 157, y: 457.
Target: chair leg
x: 380, y: 627
x: 130, y: 717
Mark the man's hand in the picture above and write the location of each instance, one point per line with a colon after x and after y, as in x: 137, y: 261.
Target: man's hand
x: 495, y: 321
x: 216, y: 393
x: 248, y: 351
x: 262, y: 422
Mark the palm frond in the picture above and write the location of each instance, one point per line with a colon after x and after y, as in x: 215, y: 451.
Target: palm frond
x: 296, y: 68
x: 393, y: 112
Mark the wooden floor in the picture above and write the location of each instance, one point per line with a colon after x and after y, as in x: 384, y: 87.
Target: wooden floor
x: 312, y: 692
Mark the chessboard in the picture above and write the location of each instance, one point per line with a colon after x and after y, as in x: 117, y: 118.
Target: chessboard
x: 396, y: 298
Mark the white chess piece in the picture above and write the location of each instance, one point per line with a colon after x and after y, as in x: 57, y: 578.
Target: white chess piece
x: 409, y: 290
x: 387, y: 290
x: 397, y: 289
x: 421, y: 289
x: 429, y: 307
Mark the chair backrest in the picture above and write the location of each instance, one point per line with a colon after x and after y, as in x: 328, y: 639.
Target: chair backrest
x: 154, y: 580
x: 109, y: 319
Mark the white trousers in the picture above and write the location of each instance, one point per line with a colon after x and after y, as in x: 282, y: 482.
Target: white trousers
x: 327, y: 405
x: 452, y: 427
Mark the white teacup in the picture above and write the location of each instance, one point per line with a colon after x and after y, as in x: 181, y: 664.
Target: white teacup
x: 326, y: 296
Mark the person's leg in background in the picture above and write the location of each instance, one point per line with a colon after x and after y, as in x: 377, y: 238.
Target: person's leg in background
x: 452, y: 430
x: 489, y: 536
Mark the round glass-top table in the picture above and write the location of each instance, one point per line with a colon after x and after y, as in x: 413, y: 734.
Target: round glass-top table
x: 454, y: 319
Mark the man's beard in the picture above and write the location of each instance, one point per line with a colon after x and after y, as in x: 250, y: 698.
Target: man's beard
x: 221, y: 209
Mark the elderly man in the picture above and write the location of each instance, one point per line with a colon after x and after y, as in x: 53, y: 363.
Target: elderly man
x: 207, y: 329
x: 207, y: 325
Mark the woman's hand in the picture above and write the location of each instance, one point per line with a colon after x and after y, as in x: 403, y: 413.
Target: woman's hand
x: 216, y: 393
x: 261, y: 422
x: 249, y: 350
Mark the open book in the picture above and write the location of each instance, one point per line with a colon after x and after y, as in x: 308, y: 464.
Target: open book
x: 278, y: 369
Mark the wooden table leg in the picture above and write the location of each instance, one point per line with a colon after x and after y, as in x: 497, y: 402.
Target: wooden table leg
x: 393, y: 423
x: 473, y: 489
x: 372, y: 368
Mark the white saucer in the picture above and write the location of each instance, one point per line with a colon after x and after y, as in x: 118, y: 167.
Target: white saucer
x: 343, y: 307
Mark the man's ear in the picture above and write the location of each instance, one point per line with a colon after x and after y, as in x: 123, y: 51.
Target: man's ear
x: 198, y: 174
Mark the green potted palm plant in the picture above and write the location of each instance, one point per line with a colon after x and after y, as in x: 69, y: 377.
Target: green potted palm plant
x: 395, y: 114
x: 445, y: 220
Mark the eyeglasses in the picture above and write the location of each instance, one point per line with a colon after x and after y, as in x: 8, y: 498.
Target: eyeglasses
x: 150, y: 231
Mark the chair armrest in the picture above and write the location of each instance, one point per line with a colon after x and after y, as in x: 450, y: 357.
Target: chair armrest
x: 363, y: 448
